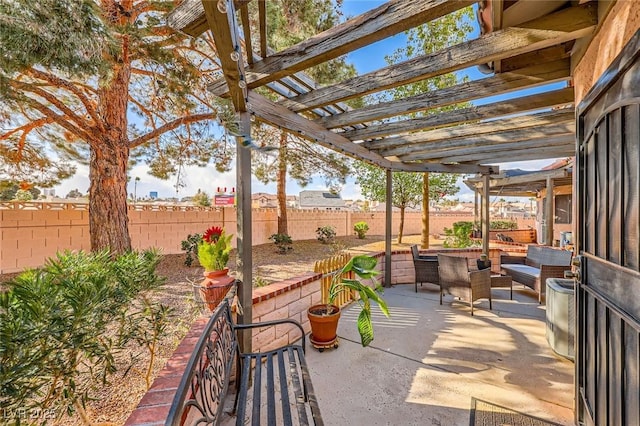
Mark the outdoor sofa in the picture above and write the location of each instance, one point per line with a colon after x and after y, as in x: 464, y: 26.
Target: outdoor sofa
x: 540, y: 263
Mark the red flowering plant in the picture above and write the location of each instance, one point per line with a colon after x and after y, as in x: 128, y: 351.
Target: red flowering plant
x: 214, y: 249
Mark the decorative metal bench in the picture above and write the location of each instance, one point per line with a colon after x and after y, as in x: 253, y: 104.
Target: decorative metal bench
x: 272, y: 387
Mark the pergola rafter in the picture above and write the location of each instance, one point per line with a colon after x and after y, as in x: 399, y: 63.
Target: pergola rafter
x: 538, y: 120
x: 499, y: 84
x: 418, y: 147
x: 546, y: 100
x: 565, y: 25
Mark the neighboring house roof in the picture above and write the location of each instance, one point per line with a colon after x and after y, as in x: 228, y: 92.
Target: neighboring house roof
x: 263, y: 196
x: 320, y: 199
x: 558, y: 164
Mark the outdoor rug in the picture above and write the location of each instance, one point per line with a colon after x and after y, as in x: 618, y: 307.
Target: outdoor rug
x: 485, y: 413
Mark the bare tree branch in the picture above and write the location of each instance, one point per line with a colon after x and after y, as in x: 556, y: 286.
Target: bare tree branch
x: 170, y: 126
x: 80, y: 128
x: 59, y: 82
x: 62, y: 121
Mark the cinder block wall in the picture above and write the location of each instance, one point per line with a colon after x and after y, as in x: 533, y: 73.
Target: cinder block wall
x: 31, y: 232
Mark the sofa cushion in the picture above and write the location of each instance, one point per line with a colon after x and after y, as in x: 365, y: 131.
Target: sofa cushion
x: 522, y: 269
x: 542, y: 255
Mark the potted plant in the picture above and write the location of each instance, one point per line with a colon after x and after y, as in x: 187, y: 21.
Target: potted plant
x: 213, y: 255
x: 324, y: 317
x: 484, y: 262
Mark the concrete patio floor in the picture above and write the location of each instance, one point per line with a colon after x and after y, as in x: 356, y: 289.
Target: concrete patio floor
x: 428, y: 361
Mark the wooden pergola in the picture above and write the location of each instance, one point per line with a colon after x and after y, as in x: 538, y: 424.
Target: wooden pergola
x: 523, y: 44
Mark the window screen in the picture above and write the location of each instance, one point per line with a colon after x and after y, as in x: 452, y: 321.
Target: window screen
x: 563, y: 208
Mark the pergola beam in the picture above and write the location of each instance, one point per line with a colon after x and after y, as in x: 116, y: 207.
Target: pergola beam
x: 490, y: 86
x: 225, y: 35
x: 190, y: 17
x: 544, y: 100
x: 478, y: 130
x: 425, y: 150
x: 470, y: 149
x: 568, y: 24
x: 384, y: 21
x: 276, y: 115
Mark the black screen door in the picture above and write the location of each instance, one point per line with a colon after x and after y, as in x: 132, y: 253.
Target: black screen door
x: 608, y: 295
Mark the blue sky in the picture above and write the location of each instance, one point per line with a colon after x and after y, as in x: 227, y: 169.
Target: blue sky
x: 366, y: 59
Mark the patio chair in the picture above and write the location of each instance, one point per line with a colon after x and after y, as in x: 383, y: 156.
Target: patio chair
x: 458, y: 281
x: 426, y: 268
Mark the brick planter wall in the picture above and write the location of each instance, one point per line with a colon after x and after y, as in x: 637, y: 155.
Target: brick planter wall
x: 519, y: 235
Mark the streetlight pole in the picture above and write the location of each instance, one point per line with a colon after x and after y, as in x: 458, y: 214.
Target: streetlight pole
x: 135, y: 189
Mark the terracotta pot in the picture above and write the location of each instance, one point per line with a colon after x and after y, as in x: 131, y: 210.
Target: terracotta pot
x: 215, y: 286
x: 324, y: 326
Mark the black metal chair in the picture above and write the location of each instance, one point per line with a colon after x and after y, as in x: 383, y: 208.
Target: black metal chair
x: 426, y: 268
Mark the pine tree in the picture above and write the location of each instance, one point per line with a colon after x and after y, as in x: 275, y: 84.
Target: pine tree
x: 290, y: 22
x: 106, y: 83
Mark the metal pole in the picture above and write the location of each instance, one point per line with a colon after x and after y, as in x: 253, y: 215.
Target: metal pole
x: 243, y: 213
x: 486, y: 224
x: 387, y: 232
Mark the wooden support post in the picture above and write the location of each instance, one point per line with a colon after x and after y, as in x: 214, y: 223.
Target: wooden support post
x: 243, y: 204
x: 387, y: 231
x: 548, y: 213
x: 425, y: 211
x: 486, y: 224
x: 475, y: 206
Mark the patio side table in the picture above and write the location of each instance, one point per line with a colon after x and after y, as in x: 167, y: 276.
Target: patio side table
x: 502, y: 281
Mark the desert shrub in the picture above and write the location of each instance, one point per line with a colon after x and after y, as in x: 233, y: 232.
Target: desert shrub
x: 63, y: 325
x: 260, y: 282
x: 283, y: 242
x: 361, y: 229
x: 503, y: 224
x: 326, y: 234
x: 459, y: 236
x: 190, y: 247
x: 23, y: 195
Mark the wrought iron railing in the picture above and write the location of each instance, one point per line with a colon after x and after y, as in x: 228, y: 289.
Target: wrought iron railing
x: 200, y: 395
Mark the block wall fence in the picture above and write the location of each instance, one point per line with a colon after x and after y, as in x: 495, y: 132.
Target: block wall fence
x: 33, y: 231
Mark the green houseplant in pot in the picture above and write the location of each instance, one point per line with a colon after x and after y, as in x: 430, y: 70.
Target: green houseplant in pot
x: 213, y: 255
x: 324, y: 317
